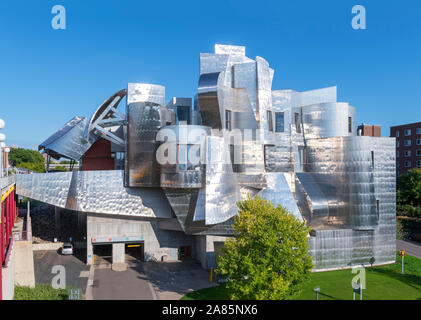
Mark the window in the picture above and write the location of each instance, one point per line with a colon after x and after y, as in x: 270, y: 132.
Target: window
x: 350, y: 124
x: 183, y: 114
x: 418, y: 130
x: 397, y: 164
x: 418, y: 163
x: 408, y: 132
x: 228, y: 120
x: 372, y: 159
x: 407, y: 153
x: 418, y: 152
x: 397, y: 144
x: 270, y: 121
x: 407, y: 143
x: 397, y: 134
x: 378, y: 208
x: 279, y: 122
x: 407, y: 164
x: 297, y: 122
x: 418, y: 142
x: 397, y: 154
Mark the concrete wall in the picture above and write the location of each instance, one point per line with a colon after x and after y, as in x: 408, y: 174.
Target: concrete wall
x: 205, y: 250
x: 24, y: 260
x: 8, y: 276
x: 159, y: 244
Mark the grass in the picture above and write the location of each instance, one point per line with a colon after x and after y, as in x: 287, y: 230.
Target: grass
x: 382, y: 283
x: 40, y: 292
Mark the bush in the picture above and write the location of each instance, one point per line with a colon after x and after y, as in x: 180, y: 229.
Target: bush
x: 40, y: 292
x: 407, y: 210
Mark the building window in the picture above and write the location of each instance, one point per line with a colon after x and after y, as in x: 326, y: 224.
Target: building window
x: 407, y: 153
x: 418, y: 152
x: 408, y: 132
x: 397, y: 134
x: 279, y: 122
x: 378, y: 208
x: 418, y: 142
x: 228, y: 120
x: 418, y: 163
x: 270, y: 121
x: 297, y: 122
x: 407, y: 143
x: 397, y: 154
x: 397, y: 144
x: 350, y: 124
x: 407, y: 164
x: 397, y: 164
x: 418, y: 130
x: 372, y: 159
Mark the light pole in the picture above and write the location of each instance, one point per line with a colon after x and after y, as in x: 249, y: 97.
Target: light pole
x: 317, y: 290
x: 2, y: 145
x: 6, y: 151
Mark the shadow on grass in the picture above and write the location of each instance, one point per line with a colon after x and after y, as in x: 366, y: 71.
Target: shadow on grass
x: 408, y: 279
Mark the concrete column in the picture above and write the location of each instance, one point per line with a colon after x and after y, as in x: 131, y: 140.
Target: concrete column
x: 58, y: 217
x: 119, y: 257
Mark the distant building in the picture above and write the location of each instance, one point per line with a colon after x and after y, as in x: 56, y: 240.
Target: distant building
x: 408, y: 146
x: 369, y: 130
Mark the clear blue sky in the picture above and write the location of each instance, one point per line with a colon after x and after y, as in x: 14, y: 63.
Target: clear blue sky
x: 48, y: 76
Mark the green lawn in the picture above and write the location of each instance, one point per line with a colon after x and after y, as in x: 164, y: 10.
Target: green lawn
x: 40, y: 292
x: 383, y: 283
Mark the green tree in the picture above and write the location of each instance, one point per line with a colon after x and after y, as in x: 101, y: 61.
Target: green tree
x: 25, y: 158
x: 409, y: 188
x: 268, y: 256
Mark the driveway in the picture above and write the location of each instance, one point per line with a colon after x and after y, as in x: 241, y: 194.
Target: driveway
x: 131, y: 284
x: 411, y: 247
x: 77, y: 271
x: 173, y: 280
x: 149, y: 281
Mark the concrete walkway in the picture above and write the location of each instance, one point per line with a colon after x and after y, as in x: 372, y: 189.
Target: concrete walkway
x: 411, y: 247
x: 131, y: 284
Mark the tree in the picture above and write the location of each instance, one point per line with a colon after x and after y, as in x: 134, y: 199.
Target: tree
x: 25, y: 158
x: 409, y: 188
x: 268, y: 256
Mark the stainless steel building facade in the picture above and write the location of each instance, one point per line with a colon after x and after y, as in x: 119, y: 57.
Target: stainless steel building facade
x: 187, y: 166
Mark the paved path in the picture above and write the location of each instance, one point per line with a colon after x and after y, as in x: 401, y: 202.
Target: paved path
x: 173, y: 280
x: 77, y: 271
x: 131, y: 284
x: 411, y: 247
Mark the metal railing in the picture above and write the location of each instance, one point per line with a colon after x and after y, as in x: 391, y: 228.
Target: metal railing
x: 7, y: 181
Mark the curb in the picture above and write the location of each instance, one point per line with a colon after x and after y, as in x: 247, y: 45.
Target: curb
x: 88, y: 292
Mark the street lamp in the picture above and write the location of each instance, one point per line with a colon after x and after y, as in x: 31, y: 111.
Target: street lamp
x: 2, y: 145
x: 317, y: 290
x: 7, y: 150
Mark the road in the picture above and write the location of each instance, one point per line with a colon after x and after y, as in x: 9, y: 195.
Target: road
x: 77, y: 271
x: 131, y: 284
x: 149, y: 281
x: 412, y: 248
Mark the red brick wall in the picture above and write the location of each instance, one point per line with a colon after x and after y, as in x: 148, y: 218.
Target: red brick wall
x: 98, y: 157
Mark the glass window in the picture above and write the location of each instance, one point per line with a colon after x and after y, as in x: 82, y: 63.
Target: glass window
x: 183, y: 114
x: 297, y: 122
x: 228, y: 120
x: 397, y: 154
x: 419, y: 163
x: 407, y: 153
x: 279, y: 122
x: 418, y: 142
x: 408, y: 132
x: 407, y: 164
x: 397, y: 143
x: 350, y: 124
x: 270, y: 121
x: 418, y: 130
x: 407, y: 143
x: 418, y: 152
x: 397, y: 134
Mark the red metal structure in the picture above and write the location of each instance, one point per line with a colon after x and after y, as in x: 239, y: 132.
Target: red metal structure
x: 9, y: 212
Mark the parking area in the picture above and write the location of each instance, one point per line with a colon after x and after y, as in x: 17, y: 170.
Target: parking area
x: 150, y: 281
x: 77, y: 272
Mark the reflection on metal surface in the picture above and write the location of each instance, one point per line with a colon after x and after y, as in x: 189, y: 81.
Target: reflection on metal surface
x: 191, y: 166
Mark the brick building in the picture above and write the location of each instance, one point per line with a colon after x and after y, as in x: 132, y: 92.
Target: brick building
x: 408, y: 146
x: 369, y: 130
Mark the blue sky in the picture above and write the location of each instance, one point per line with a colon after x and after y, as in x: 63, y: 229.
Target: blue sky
x: 48, y: 76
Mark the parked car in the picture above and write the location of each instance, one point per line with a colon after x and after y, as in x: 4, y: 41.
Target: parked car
x: 67, y: 248
x: 415, y: 237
